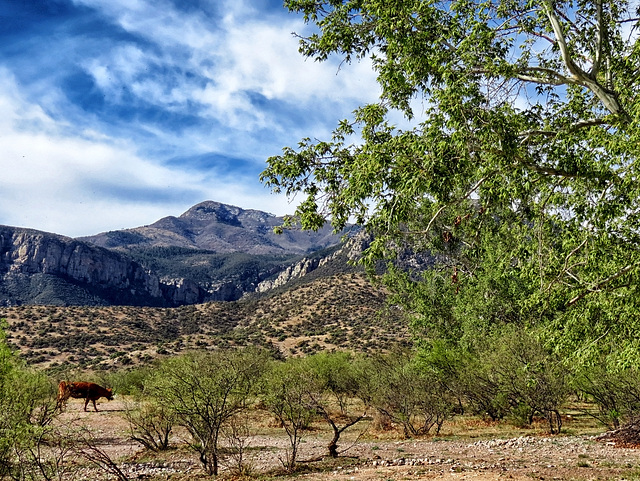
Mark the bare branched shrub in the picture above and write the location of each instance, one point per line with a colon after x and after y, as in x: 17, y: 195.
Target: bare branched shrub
x: 150, y: 424
x: 46, y: 453
x: 88, y: 447
x: 236, y: 434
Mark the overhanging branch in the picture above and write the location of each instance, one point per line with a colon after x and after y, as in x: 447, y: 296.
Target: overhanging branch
x: 602, y: 283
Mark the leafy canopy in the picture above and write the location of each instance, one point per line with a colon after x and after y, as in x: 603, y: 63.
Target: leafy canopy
x: 514, y: 158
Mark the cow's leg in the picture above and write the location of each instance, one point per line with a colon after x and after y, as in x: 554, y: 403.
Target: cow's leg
x: 86, y: 401
x: 94, y: 405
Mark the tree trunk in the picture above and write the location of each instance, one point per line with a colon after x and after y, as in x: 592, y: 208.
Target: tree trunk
x: 333, y: 444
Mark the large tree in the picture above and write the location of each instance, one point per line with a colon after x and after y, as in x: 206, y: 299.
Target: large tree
x: 514, y: 159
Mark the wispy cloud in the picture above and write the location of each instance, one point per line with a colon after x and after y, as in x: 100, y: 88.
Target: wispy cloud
x: 117, y: 113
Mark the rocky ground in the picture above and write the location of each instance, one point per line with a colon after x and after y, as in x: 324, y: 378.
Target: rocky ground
x: 520, y: 455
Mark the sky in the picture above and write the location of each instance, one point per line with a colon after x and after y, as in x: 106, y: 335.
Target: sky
x: 116, y: 113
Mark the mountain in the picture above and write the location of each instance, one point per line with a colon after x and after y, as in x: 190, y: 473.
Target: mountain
x: 42, y: 268
x: 212, y: 252
x: 219, y: 228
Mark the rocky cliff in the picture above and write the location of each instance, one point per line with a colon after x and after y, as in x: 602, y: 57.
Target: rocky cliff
x: 42, y: 268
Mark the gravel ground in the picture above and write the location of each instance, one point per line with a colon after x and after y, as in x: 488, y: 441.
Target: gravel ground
x: 519, y: 458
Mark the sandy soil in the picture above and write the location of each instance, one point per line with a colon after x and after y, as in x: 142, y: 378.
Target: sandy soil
x: 373, y: 457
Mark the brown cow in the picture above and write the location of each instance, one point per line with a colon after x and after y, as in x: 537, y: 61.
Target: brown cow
x: 88, y: 391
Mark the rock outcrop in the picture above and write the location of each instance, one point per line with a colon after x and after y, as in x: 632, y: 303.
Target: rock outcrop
x: 58, y: 270
x: 349, y: 251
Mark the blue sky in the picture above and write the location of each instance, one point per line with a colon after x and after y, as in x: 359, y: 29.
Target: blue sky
x: 115, y: 113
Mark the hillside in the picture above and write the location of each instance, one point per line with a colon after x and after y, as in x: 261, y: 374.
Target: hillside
x: 343, y: 311
x: 219, y: 228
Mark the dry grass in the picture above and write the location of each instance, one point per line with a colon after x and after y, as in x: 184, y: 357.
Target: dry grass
x: 468, y: 448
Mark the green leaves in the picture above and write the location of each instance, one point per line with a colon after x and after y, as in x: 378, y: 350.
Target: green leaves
x: 517, y: 162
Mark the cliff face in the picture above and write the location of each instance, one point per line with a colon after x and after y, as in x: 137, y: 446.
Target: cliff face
x: 212, y: 252
x: 65, y: 269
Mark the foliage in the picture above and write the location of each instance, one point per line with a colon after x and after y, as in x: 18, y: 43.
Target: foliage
x: 507, y: 374
x: 285, y: 394
x: 128, y: 382
x: 410, y: 395
x: 204, y: 390
x: 27, y: 407
x: 505, y: 141
x: 531, y: 380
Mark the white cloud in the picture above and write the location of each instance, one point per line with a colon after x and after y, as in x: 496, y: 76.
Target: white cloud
x: 69, y: 184
x: 241, y: 55
x: 74, y: 171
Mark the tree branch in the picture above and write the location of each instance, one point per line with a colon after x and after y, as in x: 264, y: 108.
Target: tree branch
x: 566, y: 267
x: 573, y: 128
x: 602, y: 283
x: 600, y: 33
x: 581, y: 77
x: 466, y: 196
x: 561, y: 40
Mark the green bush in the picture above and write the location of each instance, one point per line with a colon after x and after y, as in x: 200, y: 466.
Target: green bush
x: 27, y: 407
x: 515, y: 375
x: 615, y: 391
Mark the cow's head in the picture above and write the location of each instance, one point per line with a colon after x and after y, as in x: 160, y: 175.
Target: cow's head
x: 109, y: 396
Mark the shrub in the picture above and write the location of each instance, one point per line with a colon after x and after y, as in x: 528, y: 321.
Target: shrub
x: 515, y: 374
x: 204, y: 390
x: 407, y: 393
x: 615, y: 391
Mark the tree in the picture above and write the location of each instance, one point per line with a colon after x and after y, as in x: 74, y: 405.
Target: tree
x: 335, y: 391
x: 529, y: 379
x: 285, y: 395
x: 205, y: 390
x: 515, y: 159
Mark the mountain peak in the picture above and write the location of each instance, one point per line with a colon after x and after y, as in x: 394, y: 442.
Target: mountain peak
x: 211, y: 211
x: 221, y: 228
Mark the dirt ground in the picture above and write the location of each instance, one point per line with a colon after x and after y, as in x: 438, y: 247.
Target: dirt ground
x: 524, y: 455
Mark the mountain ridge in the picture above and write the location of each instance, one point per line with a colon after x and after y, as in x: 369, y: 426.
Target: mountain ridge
x: 212, y: 252
x: 219, y: 227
